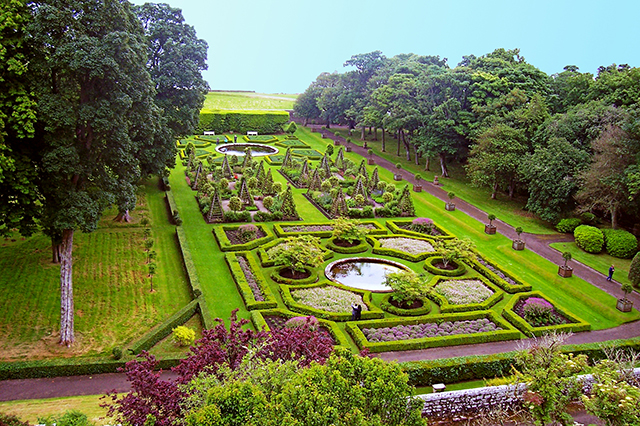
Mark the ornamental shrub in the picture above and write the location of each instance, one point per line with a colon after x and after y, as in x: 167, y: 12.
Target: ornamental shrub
x: 387, y: 197
x: 423, y: 225
x: 310, y: 322
x: 634, y: 271
x: 537, y: 311
x: 11, y: 420
x: 235, y: 204
x: 247, y: 232
x: 267, y: 202
x: 589, y: 238
x: 183, y: 336
x: 620, y: 243
x: 567, y: 226
x: 116, y: 352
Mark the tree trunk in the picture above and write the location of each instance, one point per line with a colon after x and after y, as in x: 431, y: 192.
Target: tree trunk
x: 369, y: 129
x: 306, y: 121
x: 123, y: 217
x: 362, y: 133
x: 512, y: 188
x: 417, y: 157
x: 383, y: 141
x: 66, y: 288
x: 328, y: 123
x: 407, y: 147
x: 495, y: 191
x: 614, y: 216
x: 427, y: 166
x: 443, y: 165
x: 399, y: 137
x: 55, y: 252
x: 375, y: 133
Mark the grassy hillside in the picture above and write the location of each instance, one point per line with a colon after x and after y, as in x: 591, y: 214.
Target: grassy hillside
x: 248, y: 101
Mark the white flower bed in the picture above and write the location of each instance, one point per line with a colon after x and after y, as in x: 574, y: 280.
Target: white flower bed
x: 328, y: 298
x: 406, y: 245
x: 464, y: 292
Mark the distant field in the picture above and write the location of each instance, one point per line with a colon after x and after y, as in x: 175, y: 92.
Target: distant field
x: 248, y: 101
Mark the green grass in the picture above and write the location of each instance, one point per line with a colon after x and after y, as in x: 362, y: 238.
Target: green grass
x: 248, y: 101
x: 32, y: 409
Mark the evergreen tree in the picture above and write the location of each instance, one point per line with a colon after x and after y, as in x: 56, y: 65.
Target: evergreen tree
x: 288, y: 208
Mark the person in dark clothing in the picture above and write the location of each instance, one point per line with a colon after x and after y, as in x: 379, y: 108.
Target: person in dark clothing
x: 611, y: 271
x: 356, y: 312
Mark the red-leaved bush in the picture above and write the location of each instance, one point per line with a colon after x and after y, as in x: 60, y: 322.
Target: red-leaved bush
x: 160, y: 400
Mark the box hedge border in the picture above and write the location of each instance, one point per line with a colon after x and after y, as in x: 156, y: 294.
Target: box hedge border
x: 506, y: 333
x: 257, y: 318
x: 312, y: 278
x: 192, y: 274
x: 435, y: 256
x: 386, y: 305
x: 446, y: 307
x: 221, y: 121
x: 266, y: 262
x: 576, y: 325
x: 291, y: 143
x: 243, y: 286
x: 394, y: 228
x: 360, y: 248
x: 280, y: 232
x: 226, y: 245
x: 378, y: 249
x: 372, y: 313
x: 173, y: 207
x: 249, y: 139
x: 495, y: 279
x: 274, y: 161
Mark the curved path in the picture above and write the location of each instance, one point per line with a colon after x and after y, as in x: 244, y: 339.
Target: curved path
x: 99, y: 384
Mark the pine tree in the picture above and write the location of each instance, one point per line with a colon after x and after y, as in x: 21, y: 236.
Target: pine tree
x: 339, y: 206
x: 215, y: 211
x: 315, y: 183
x: 226, y: 168
x: 373, y: 182
x: 288, y: 208
x: 405, y: 203
x: 287, y: 163
x: 248, y: 160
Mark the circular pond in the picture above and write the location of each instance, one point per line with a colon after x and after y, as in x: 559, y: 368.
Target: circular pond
x: 257, y: 150
x: 365, y: 273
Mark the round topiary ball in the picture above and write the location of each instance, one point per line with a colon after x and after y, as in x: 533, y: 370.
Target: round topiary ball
x: 620, y: 243
x: 589, y: 238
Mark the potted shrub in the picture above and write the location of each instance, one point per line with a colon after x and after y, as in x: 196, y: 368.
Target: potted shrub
x: 450, y: 205
x: 490, y: 228
x: 370, y: 161
x: 398, y: 176
x: 624, y: 304
x: 417, y: 187
x: 348, y: 144
x: 436, y: 180
x: 565, y: 271
x: 518, y: 244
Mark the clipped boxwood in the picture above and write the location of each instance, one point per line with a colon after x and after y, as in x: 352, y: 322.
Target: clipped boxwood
x: 446, y: 307
x: 506, y: 333
x: 589, y: 238
x: 394, y: 226
x: 620, y: 243
x: 498, y: 276
x: 277, y: 277
x: 258, y: 321
x: 378, y: 249
x: 372, y: 312
x: 428, y: 265
x: 575, y: 324
x: 194, y: 282
x: 567, y: 226
x: 385, y: 305
x: 243, y: 286
x: 264, y: 122
x: 225, y: 244
x: 281, y: 229
x: 266, y: 261
x: 359, y: 248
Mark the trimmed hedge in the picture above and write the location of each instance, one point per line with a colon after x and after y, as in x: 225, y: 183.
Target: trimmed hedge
x: 278, y: 228
x: 221, y: 121
x: 620, y: 243
x: 506, y: 333
x: 495, y: 278
x: 257, y: 318
x: 372, y: 313
x: 225, y: 244
x: 243, y: 286
x: 567, y: 226
x: 446, y: 307
x: 386, y: 305
x: 589, y: 238
x: 378, y: 249
x: 158, y: 333
x: 192, y: 274
x: 360, y: 248
x: 312, y: 278
x: 576, y: 324
x: 291, y: 143
x: 173, y: 207
x: 428, y: 266
x: 393, y: 226
x: 260, y: 139
x: 266, y: 262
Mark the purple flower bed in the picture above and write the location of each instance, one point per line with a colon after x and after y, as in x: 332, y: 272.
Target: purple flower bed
x: 496, y: 271
x: 422, y: 225
x: 277, y: 321
x: 420, y: 331
x: 538, y: 312
x: 251, y: 279
x: 318, y: 228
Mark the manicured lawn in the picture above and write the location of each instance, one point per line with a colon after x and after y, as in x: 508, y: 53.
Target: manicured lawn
x: 248, y: 101
x: 32, y: 409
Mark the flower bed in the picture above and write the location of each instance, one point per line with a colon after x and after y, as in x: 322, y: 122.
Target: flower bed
x: 222, y: 233
x: 456, y: 332
x: 385, y: 305
x: 564, y: 321
x: 431, y: 262
x: 266, y: 261
x: 322, y: 229
x: 406, y: 245
x: 497, y: 276
x: 456, y: 295
x: 362, y: 246
x: 328, y: 298
x: 403, y: 227
x: 251, y: 284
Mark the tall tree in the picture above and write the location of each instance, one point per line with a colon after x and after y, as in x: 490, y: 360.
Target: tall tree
x: 94, y: 91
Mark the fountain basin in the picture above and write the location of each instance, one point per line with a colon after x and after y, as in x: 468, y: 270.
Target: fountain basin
x: 257, y: 150
x: 365, y: 273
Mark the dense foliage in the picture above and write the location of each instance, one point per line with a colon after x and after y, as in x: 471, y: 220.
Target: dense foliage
x: 589, y: 238
x: 620, y: 243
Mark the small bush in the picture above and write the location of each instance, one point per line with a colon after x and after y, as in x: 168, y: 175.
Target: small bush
x: 311, y: 322
x: 248, y: 232
x: 567, y: 226
x: 537, y: 311
x: 588, y: 218
x: 236, y: 217
x: 634, y: 271
x: 69, y: 418
x: 117, y: 352
x: 620, y: 243
x: 589, y: 238
x: 183, y: 336
x: 11, y: 420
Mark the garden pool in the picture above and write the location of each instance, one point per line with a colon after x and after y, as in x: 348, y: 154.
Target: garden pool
x: 257, y: 150
x: 365, y: 273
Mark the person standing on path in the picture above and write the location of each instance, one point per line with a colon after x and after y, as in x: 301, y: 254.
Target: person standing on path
x: 611, y: 271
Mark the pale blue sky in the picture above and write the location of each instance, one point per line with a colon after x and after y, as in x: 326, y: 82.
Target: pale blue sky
x: 280, y: 46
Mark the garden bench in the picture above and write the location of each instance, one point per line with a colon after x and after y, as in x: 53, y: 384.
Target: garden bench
x: 209, y: 133
x: 252, y: 133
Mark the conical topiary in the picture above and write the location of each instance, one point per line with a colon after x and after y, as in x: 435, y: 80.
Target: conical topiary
x: 304, y: 174
x: 260, y: 171
x: 287, y: 163
x: 339, y: 206
x: 288, y: 208
x: 405, y: 203
x: 244, y: 193
x: 226, y: 168
x: 339, y: 163
x: 267, y: 183
x: 360, y: 188
x: 373, y: 182
x: 325, y: 164
x: 194, y: 184
x: 215, y: 211
x: 362, y: 170
x: 315, y: 183
x: 248, y: 160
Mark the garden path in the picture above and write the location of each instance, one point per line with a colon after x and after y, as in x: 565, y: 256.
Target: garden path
x: 11, y: 390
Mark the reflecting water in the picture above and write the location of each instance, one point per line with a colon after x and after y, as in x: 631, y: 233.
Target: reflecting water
x: 363, y: 274
x: 238, y: 149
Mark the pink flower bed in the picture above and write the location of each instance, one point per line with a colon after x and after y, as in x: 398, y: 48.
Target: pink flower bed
x: 420, y: 331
